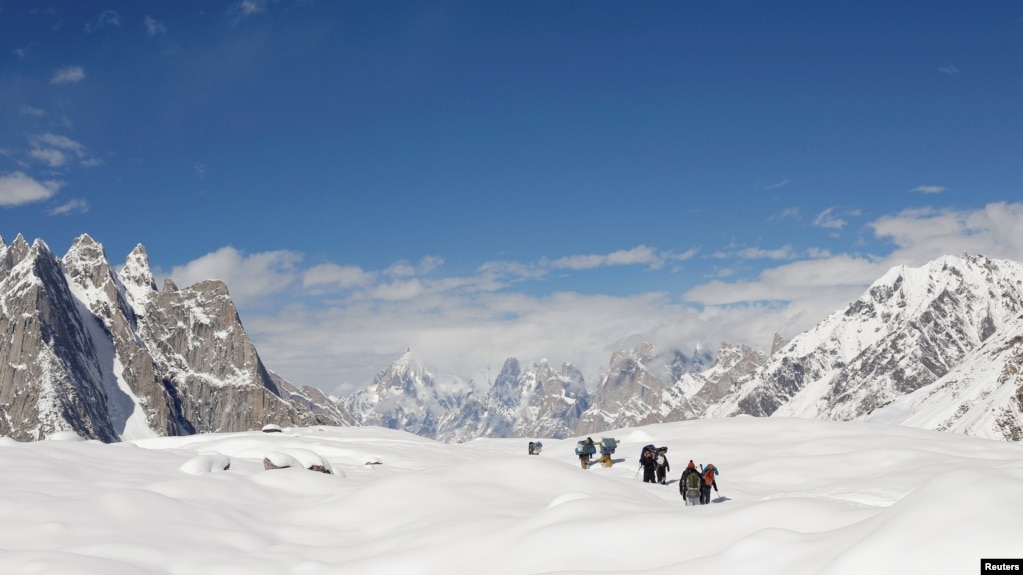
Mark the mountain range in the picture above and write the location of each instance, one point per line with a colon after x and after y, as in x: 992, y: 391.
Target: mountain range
x: 105, y: 354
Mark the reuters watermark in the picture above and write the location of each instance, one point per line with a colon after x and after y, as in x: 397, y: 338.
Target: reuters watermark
x: 1001, y: 566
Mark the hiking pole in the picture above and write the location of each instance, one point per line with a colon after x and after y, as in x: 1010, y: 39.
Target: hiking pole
x: 637, y: 473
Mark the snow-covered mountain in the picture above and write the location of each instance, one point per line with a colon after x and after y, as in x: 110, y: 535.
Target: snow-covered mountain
x: 535, y: 402
x: 109, y: 357
x: 912, y: 327
x: 636, y: 388
x: 406, y: 396
x: 981, y: 396
x: 938, y: 344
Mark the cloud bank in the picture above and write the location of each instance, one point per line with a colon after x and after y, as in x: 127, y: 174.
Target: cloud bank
x: 342, y: 324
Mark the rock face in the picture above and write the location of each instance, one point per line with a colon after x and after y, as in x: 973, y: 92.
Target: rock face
x: 697, y: 392
x: 536, y: 402
x: 51, y: 379
x: 981, y: 396
x: 637, y: 388
x: 406, y: 396
x: 109, y: 357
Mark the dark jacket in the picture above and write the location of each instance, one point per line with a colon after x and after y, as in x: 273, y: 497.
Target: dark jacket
x: 685, y: 476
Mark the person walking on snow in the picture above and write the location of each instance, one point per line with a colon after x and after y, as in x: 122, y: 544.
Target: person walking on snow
x: 649, y: 463
x: 708, y: 481
x: 690, y: 485
x: 662, y: 467
x: 587, y: 449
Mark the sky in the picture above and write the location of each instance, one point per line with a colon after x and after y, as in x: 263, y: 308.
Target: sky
x: 794, y: 497
x: 540, y: 180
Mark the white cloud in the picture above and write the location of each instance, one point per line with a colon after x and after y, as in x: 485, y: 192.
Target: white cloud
x: 68, y: 75
x: 107, y: 18
x: 833, y: 218
x: 783, y: 253
x: 343, y: 277
x: 54, y: 150
x: 466, y: 325
x: 200, y: 170
x: 950, y: 69
x: 928, y: 189
x: 921, y: 235
x: 249, y: 278
x: 154, y: 27
x: 639, y: 255
x: 75, y: 206
x: 17, y: 188
x: 792, y: 297
x: 30, y: 111
x: 246, y: 8
x: 786, y: 214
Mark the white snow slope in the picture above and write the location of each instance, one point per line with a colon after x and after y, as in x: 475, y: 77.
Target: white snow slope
x: 796, y: 497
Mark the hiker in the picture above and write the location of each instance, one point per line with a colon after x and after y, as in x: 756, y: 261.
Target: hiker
x: 584, y: 449
x: 649, y: 463
x: 646, y: 448
x: 708, y: 481
x: 662, y: 465
x: 607, y: 449
x: 531, y: 448
x: 537, y: 446
x: 690, y: 485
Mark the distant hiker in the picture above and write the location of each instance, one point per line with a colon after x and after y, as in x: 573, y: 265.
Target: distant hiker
x: 689, y: 486
x: 537, y: 446
x: 708, y: 481
x: 584, y: 449
x: 531, y: 448
x: 649, y: 463
x: 607, y: 449
x: 662, y: 465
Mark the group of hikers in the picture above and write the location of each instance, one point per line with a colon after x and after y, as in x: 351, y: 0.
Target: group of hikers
x: 586, y: 449
x: 694, y: 485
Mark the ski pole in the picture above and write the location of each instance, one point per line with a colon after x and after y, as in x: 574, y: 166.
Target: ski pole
x: 637, y: 473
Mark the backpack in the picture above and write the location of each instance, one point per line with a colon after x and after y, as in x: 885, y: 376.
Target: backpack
x: 708, y: 474
x: 693, y: 484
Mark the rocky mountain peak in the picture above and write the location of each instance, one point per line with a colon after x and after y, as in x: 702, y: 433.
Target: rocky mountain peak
x: 14, y: 254
x: 777, y: 343
x: 79, y: 359
x: 85, y: 263
x: 137, y: 278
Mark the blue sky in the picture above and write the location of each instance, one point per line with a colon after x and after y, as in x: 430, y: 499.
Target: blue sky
x: 479, y: 180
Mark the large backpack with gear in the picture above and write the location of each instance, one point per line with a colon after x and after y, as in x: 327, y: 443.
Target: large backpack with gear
x: 693, y: 484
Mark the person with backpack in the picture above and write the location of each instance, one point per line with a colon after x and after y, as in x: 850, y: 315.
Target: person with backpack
x: 607, y: 449
x: 662, y: 465
x: 584, y: 449
x: 649, y: 463
x: 708, y: 481
x: 690, y: 485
